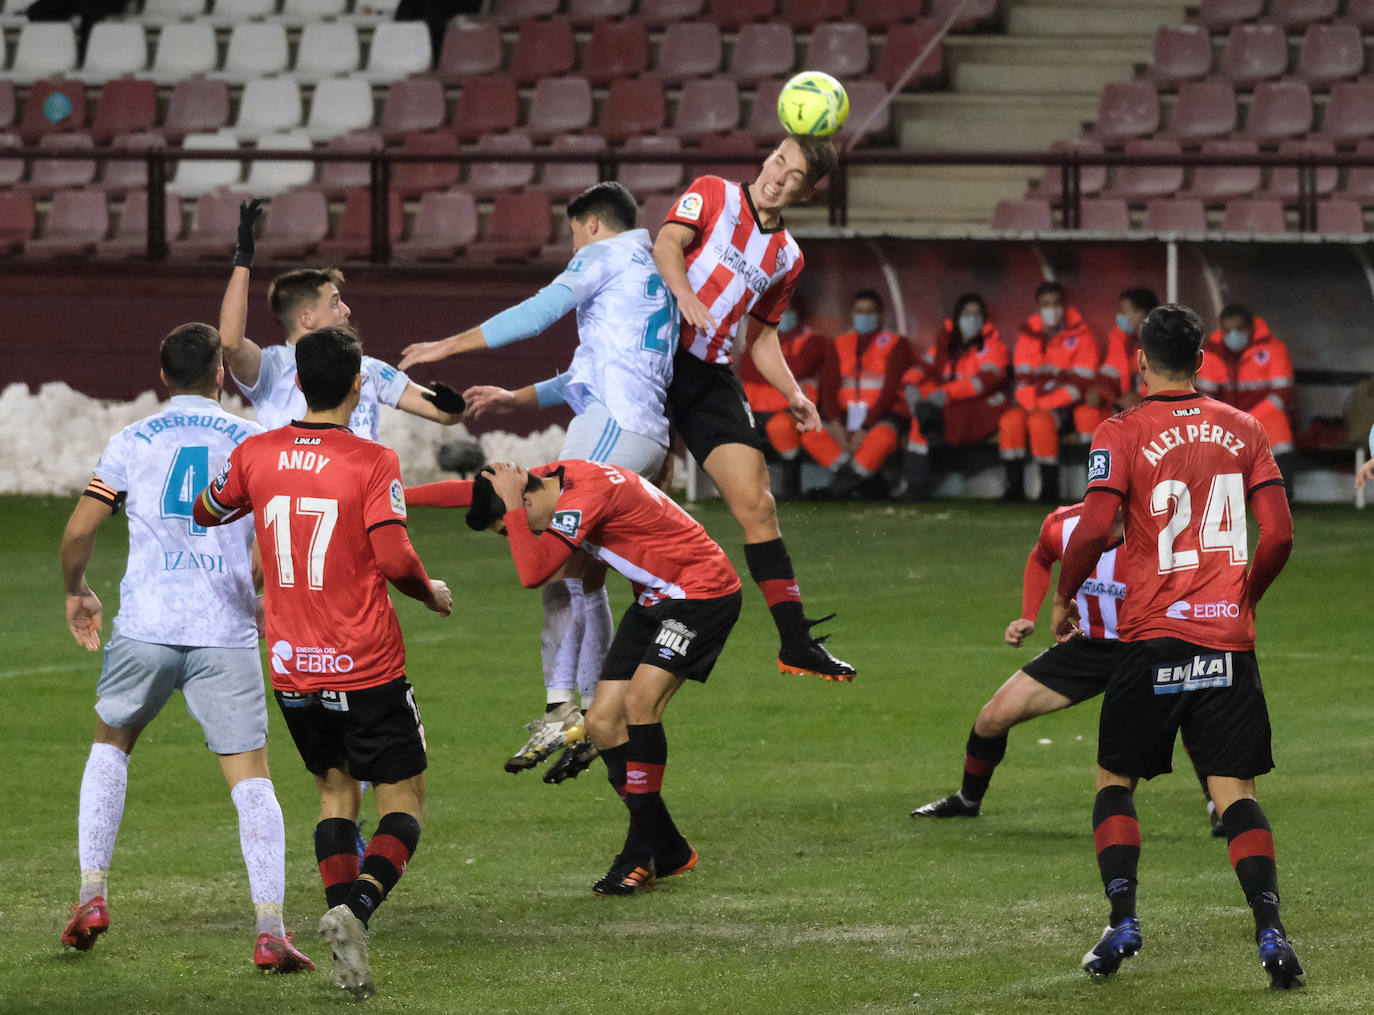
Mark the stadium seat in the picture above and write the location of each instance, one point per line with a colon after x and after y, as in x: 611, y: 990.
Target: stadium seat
x: 1254, y: 53
x: 130, y: 237
x: 1358, y: 12
x: 1330, y: 53
x: 214, y: 224
x: 1183, y: 215
x: 865, y: 96
x: 1126, y: 109
x: 327, y: 48
x: 1138, y: 182
x: 256, y: 48
x: 410, y: 179
x: 491, y: 178
x: 1359, y: 180
x: 1349, y: 114
x: 131, y: 174
x: 296, y: 223
x: 565, y: 180
x: 734, y: 13
x: 1253, y: 216
x: 1022, y: 215
x: 268, y: 105
x: 197, y: 104
x: 115, y: 49
x: 374, y: 11
x: 44, y: 48
x: 228, y: 13
x: 543, y: 48
x: 519, y: 226
x: 1283, y: 180
x: 1104, y: 214
x: 978, y: 14
x: 191, y: 179
x: 267, y: 178
x: 688, y: 50
x: 881, y: 14
x: 399, y: 49
x: 470, y: 47
x: 617, y: 49
x: 707, y: 106
x: 1214, y: 183
x: 763, y: 51
x: 561, y: 105
x: 1091, y: 179
x: 339, y: 105
x: 413, y: 104
x: 1205, y: 109
x: 53, y: 105
x: 126, y: 104
x: 642, y: 178
x: 656, y: 13
x: 808, y: 14
x: 762, y: 124
x: 734, y: 143
x: 1181, y: 53
x: 162, y: 12
x: 1300, y: 13
x: 633, y: 106
x: 77, y: 221
x: 902, y: 44
x: 47, y: 176
x: 353, y: 232
x: 839, y: 49
x: 1340, y: 217
x: 8, y: 105
x: 486, y: 104
x: 1220, y: 15
x: 445, y: 223
x: 655, y: 209
x: 590, y: 13
x: 183, y: 51
x: 1279, y: 109
x: 337, y: 178
x: 306, y: 12
x: 11, y: 169
x: 510, y: 12
x: 17, y: 219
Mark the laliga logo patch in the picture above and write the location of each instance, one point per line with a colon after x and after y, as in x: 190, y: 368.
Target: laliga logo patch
x: 398, y: 498
x: 281, y: 655
x: 223, y: 476
x: 689, y: 207
x: 1099, y: 464
x: 566, y: 522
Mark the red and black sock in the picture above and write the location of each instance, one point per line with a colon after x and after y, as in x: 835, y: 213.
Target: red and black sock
x: 644, y: 763
x: 336, y: 850
x: 771, y: 569
x: 614, y: 757
x: 1251, y: 845
x: 981, y: 756
x: 383, y: 864
x: 1116, y: 834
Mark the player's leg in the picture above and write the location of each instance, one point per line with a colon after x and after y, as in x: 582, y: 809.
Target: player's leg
x: 1116, y: 839
x: 1043, y: 430
x: 1012, y: 440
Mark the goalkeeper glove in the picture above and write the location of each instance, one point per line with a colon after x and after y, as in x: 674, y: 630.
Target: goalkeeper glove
x: 248, y: 214
x: 444, y: 398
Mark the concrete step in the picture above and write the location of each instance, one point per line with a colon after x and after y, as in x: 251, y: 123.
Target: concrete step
x: 1084, y: 79
x: 1117, y: 5
x: 949, y: 195
x: 1090, y: 21
x: 957, y: 122
x: 1120, y: 51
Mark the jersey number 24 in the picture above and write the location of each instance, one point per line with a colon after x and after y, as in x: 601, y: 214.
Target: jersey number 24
x: 659, y: 328
x: 1223, y: 521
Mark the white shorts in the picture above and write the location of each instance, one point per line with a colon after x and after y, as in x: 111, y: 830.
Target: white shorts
x: 594, y: 436
x: 223, y: 689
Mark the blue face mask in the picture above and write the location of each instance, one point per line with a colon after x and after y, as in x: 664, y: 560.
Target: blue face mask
x: 1124, y: 323
x: 1235, y: 340
x: 865, y: 324
x: 788, y: 321
x: 970, y: 326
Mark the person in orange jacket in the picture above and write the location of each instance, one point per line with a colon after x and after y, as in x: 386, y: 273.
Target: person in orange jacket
x: 1119, y: 383
x: 1244, y: 365
x: 1056, y: 361
x: 956, y: 391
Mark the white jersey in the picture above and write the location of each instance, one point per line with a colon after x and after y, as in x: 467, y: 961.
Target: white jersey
x: 627, y: 332
x: 278, y: 400
x: 1099, y: 598
x: 184, y: 584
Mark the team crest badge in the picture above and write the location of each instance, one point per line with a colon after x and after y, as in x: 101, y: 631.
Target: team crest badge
x: 398, y: 498
x: 566, y: 522
x: 1099, y: 464
x: 1261, y: 356
x: 689, y: 207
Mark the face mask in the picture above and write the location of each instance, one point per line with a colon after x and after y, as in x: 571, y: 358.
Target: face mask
x: 1124, y: 323
x: 865, y: 324
x: 970, y: 325
x: 788, y: 321
x: 1051, y: 316
x: 1236, y: 341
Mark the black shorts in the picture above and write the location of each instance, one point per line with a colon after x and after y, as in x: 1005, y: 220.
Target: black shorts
x: 1078, y: 668
x: 707, y: 407
x: 374, y: 734
x: 682, y: 636
x: 1163, y: 685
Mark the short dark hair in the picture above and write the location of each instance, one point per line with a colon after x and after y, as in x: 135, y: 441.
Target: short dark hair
x: 293, y: 289
x: 1236, y: 310
x: 820, y: 156
x: 487, y: 505
x: 868, y: 294
x: 1142, y: 299
x: 327, y: 361
x: 1051, y: 287
x: 190, y: 356
x: 608, y: 201
x: 1171, y: 337
x: 963, y: 301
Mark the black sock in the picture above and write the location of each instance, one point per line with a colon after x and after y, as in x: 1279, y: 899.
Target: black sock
x: 1116, y: 834
x: 1251, y: 845
x: 668, y: 841
x: 981, y: 756
x: 336, y: 851
x: 771, y: 569
x: 614, y: 757
x: 644, y: 763
x: 553, y: 706
x: 385, y: 861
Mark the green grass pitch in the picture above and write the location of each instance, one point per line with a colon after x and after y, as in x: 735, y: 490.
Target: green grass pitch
x: 816, y: 892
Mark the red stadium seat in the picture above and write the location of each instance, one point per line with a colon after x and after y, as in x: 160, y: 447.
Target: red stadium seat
x: 762, y: 124
x: 1340, y: 217
x: 563, y: 180
x: 727, y: 144
x: 491, y: 178
x: 1359, y: 180
x: 47, y: 176
x: 1219, y: 15
x: 17, y: 219
x: 1024, y: 215
x: 53, y: 105
x: 486, y: 104
x: 12, y: 170
x: 519, y: 226
x: 77, y: 221
x: 810, y: 13
x: 213, y: 224
x: 633, y: 106
x: 885, y: 13
x: 470, y: 47
x: 1213, y: 183
x: 1283, y: 180
x: 865, y: 96
x: 1279, y: 109
x: 197, y: 104
x: 1330, y: 53
x: 543, y: 48
x: 297, y: 221
x: 561, y: 105
x: 509, y: 12
x: 413, y: 105
x: 734, y: 13
x: 763, y: 51
x: 978, y: 14
x: 839, y: 49
x: 8, y: 106
x: 130, y: 237
x: 1091, y: 179
x: 657, y: 13
x: 1254, y: 53
x: 338, y: 178
x: 1205, y: 109
x: 1358, y: 12
x: 131, y: 174
x: 1104, y: 214
x: 642, y: 178
x: 1138, y: 182
x: 353, y: 233
x: 707, y: 106
x: 1300, y: 13
x: 1349, y: 115
x: 445, y: 223
x: 410, y: 179
x: 1181, y: 53
x: 655, y: 209
x: 1184, y: 215
x: 1254, y: 216
x: 617, y: 49
x: 903, y: 44
x: 688, y: 50
x: 126, y: 105
x: 1127, y: 109
x: 594, y: 12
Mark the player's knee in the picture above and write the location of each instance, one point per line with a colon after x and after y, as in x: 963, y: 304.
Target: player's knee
x: 995, y: 719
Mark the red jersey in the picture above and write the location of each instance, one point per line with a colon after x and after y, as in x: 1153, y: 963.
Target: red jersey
x: 620, y: 519
x: 316, y: 491
x: 1099, y: 598
x: 734, y: 265
x: 1184, y: 465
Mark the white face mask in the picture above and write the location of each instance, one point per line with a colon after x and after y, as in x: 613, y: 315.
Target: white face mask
x: 970, y: 325
x: 1050, y: 317
x: 1235, y: 340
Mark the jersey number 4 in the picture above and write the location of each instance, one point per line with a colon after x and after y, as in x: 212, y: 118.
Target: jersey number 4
x: 1223, y: 521
x: 188, y: 474
x: 277, y: 515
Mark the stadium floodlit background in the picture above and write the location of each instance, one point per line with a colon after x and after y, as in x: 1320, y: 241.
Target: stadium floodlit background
x: 816, y: 892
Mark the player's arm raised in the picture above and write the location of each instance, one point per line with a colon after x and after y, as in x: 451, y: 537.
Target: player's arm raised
x: 438, y: 402
x: 78, y: 544
x: 522, y: 321
x: 242, y: 355
x: 670, y: 257
x: 766, y: 349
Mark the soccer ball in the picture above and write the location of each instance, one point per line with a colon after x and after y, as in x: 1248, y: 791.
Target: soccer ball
x: 813, y: 102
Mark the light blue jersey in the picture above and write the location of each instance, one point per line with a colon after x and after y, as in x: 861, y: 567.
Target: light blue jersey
x: 278, y: 400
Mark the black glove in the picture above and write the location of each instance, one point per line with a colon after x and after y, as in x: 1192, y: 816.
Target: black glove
x: 248, y: 214
x: 444, y: 398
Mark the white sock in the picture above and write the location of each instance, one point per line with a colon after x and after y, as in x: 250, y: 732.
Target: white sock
x: 102, y: 808
x: 557, y: 617
x: 565, y: 663
x: 597, y: 629
x: 262, y: 837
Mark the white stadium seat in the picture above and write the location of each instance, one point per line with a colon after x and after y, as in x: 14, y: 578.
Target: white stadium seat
x: 184, y: 49
x: 256, y: 48
x: 45, y: 48
x: 160, y: 12
x: 340, y: 105
x: 399, y: 49
x: 268, y: 178
x: 116, y: 49
x: 226, y: 13
x: 327, y: 48
x: 305, y: 12
x: 268, y: 105
x: 192, y: 179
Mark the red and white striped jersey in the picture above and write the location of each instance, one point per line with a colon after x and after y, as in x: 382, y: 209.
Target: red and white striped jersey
x: 734, y: 265
x: 1098, y: 599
